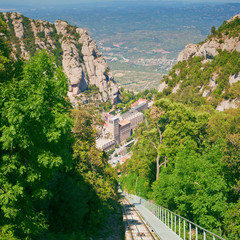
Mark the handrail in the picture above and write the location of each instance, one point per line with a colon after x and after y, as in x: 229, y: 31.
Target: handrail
x: 177, y: 223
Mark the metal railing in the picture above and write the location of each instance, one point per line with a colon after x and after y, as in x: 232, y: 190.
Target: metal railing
x: 184, y: 228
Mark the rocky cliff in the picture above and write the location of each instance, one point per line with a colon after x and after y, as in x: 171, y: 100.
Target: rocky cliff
x: 72, y: 47
x: 208, y: 72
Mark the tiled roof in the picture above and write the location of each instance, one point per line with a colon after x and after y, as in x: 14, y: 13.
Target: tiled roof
x: 139, y: 106
x: 134, y: 104
x: 124, y: 159
x: 142, y: 100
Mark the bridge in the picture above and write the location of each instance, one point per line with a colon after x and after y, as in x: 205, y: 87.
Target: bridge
x: 166, y: 224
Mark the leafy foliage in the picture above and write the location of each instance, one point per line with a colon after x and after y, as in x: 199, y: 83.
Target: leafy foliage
x: 199, y: 178
x: 34, y: 129
x: 53, y: 180
x: 194, y: 75
x: 230, y: 28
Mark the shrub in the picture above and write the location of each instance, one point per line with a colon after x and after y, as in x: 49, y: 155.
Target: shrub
x: 111, y: 151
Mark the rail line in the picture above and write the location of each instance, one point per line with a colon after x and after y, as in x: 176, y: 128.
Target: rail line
x: 135, y: 228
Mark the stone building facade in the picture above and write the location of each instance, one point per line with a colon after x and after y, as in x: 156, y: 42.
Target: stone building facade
x: 113, y: 128
x: 124, y: 130
x: 105, y: 144
x: 121, y: 127
x: 134, y: 117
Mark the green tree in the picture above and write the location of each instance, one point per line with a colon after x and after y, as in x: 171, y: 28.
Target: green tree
x: 213, y: 29
x: 9, y: 68
x: 196, y: 188
x: 34, y: 138
x: 170, y: 127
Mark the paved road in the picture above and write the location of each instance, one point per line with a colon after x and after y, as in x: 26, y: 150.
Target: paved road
x: 162, y: 231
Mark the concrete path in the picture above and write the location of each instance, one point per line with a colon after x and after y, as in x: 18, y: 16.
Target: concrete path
x: 161, y: 230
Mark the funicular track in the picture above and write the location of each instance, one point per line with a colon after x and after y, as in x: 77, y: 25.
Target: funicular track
x: 135, y: 227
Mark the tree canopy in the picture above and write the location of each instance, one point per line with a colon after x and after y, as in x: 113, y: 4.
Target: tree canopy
x: 54, y: 182
x: 199, y: 164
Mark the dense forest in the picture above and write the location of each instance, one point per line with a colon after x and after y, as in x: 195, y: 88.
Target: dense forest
x: 54, y: 183
x: 188, y: 161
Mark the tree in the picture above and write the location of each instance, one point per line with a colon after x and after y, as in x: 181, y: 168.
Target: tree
x: 196, y: 188
x: 155, y: 115
x: 213, y: 29
x: 172, y: 126
x: 34, y: 138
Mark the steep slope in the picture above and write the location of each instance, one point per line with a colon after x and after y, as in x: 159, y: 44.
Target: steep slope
x: 208, y: 72
x: 73, y: 48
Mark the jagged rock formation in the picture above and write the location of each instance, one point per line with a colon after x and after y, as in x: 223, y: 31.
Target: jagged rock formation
x: 208, y: 72
x: 73, y: 48
x: 189, y: 51
x: 234, y: 78
x: 162, y: 86
x: 209, y: 49
x: 226, y: 104
x: 211, y: 87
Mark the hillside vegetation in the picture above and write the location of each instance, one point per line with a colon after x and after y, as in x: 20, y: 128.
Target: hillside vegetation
x: 187, y: 154
x: 54, y: 183
x: 210, y: 74
x: 188, y: 161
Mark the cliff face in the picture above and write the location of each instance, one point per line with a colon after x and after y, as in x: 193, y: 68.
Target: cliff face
x: 208, y: 72
x: 73, y: 48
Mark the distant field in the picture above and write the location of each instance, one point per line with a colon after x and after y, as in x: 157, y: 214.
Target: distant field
x: 137, y: 81
x: 141, y: 41
x: 150, y: 44
x: 142, y: 57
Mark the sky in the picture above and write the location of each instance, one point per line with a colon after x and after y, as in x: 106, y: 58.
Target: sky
x: 8, y: 5
x: 33, y: 2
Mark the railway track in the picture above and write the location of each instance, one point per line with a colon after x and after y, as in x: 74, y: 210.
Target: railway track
x: 135, y: 228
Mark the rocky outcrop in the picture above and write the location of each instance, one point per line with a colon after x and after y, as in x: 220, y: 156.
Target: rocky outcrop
x: 189, y: 51
x: 177, y: 87
x: 234, y: 79
x: 227, y: 104
x: 73, y: 48
x: 162, y: 86
x: 233, y: 18
x: 211, y: 87
x: 209, y: 49
x: 97, y: 68
x: 204, y: 77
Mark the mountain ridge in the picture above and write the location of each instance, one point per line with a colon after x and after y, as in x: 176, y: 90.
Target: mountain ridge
x: 72, y: 47
x: 209, y: 70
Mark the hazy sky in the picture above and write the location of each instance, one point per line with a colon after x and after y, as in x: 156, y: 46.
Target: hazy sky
x: 19, y: 4
x: 33, y: 2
